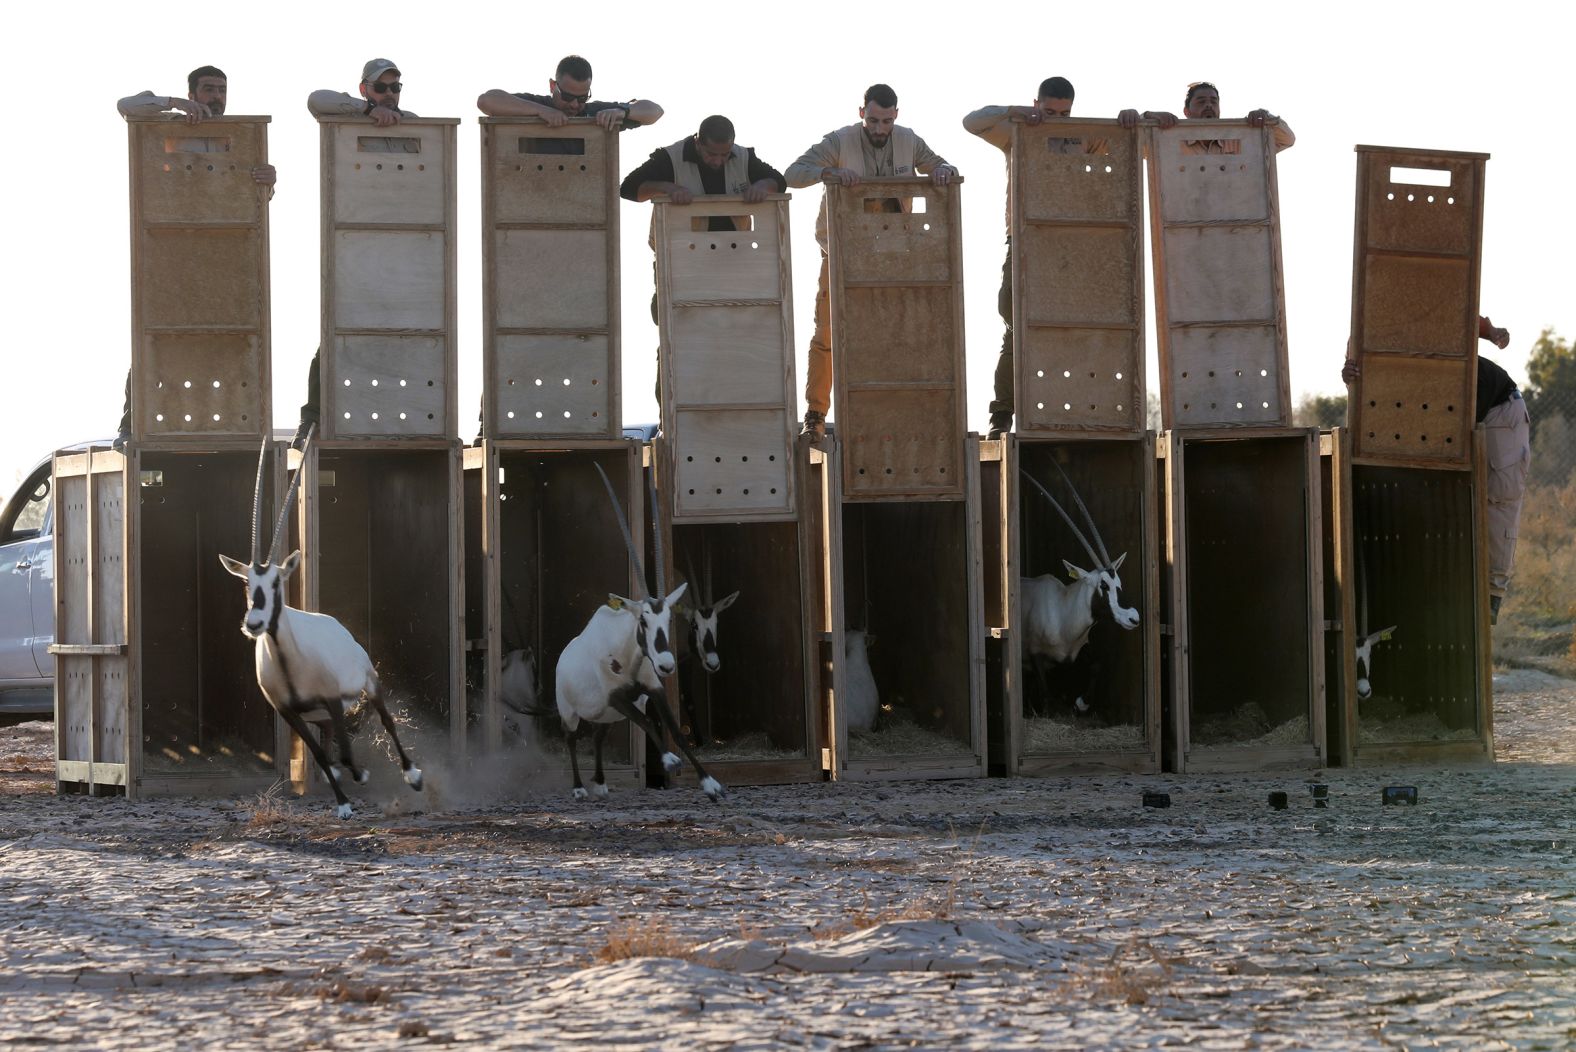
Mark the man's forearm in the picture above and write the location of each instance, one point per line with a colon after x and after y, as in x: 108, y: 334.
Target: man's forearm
x: 330, y: 103
x: 644, y: 112
x: 143, y: 104
x: 500, y: 103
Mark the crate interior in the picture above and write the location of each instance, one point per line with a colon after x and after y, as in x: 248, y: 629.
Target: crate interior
x: 754, y: 706
x: 202, y: 711
x: 1413, y: 563
x: 1246, y: 507
x: 560, y: 553
x: 1110, y: 672
x: 383, y: 528
x: 905, y: 582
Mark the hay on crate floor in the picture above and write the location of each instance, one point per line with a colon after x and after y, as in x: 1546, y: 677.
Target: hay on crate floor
x: 1047, y: 734
x: 753, y: 746
x: 1417, y: 727
x: 901, y: 737
x: 1249, y: 726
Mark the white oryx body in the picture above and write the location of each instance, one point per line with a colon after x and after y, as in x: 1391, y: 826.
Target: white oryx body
x: 1365, y: 661
x: 863, y: 701
x: 603, y: 659
x: 307, y: 662
x: 517, y: 691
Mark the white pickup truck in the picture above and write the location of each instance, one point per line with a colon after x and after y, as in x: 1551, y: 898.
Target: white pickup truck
x: 27, y: 597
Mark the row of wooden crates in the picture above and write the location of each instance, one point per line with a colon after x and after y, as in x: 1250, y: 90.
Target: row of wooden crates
x: 1251, y: 557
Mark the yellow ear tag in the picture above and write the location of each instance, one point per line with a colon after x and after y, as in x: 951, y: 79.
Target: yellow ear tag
x: 1385, y: 636
x: 615, y: 602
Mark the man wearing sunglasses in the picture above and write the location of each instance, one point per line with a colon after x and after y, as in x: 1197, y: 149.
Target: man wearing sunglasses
x: 569, y: 96
x: 207, y: 90
x: 875, y: 147
x: 380, y: 87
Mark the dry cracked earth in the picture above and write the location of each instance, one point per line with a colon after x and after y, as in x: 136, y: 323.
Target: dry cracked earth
x: 1054, y: 913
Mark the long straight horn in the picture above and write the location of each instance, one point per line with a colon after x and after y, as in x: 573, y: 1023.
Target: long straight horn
x: 623, y: 526
x: 1071, y: 525
x: 697, y: 594
x: 656, y: 534
x: 274, y: 554
x: 1362, y: 594
x: 1105, y: 557
x: 257, y: 507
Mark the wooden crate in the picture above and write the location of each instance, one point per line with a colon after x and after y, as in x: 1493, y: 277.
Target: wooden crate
x: 155, y: 686
x: 757, y: 719
x: 1116, y: 478
x: 908, y: 572
x: 1245, y: 590
x: 1220, y: 312
x: 1078, y: 279
x: 896, y: 291
x: 383, y: 553
x: 542, y: 552
x: 388, y: 338
x: 1415, y: 270
x: 1414, y: 540
x: 550, y: 293
x: 725, y: 315
x: 199, y: 280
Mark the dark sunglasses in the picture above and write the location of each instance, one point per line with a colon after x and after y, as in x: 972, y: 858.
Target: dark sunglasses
x: 572, y: 98
x: 384, y: 89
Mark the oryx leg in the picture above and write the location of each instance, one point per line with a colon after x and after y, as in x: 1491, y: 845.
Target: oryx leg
x: 309, y: 739
x: 336, y: 716
x: 657, y: 704
x: 1086, y: 678
x: 412, y: 772
x: 598, y: 738
x: 571, y: 738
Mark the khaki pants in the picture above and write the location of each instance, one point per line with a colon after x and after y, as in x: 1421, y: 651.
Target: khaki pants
x: 1509, y: 452
x: 818, y: 368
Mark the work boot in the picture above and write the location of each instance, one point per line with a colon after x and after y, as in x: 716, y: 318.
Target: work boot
x: 119, y: 444
x: 1000, y: 424
x: 305, y: 428
x: 814, y: 424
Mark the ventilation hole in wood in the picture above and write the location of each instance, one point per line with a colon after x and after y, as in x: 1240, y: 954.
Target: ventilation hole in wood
x: 1430, y: 198
x: 402, y: 383
x: 374, y: 416
x: 1372, y: 404
x: 1425, y: 437
x: 719, y: 493
x: 692, y: 493
x: 1450, y: 409
x: 374, y: 383
x: 216, y: 384
x: 755, y: 244
x: 861, y: 471
x: 717, y: 459
x: 746, y: 493
x: 1410, y: 197
x: 566, y: 381
x: 186, y: 384
x: 538, y: 414
x: 1039, y: 405
x: 1108, y: 169
x: 1039, y: 374
x: 429, y: 383
x: 943, y: 471
x: 566, y: 414
x: 159, y: 417
x: 402, y: 416
x: 1120, y: 407
x: 1118, y: 376
x: 216, y: 418
x: 1449, y: 201
x: 745, y: 460
x: 1389, y: 197
x: 690, y: 460
x: 510, y: 414
x: 1448, y: 440
x: 1425, y: 405
x: 347, y: 416
x: 774, y: 490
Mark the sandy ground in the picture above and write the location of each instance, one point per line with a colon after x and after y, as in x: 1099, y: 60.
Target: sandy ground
x: 992, y: 914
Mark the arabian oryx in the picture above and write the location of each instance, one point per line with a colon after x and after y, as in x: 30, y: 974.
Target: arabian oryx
x: 306, y: 661
x: 1366, y: 639
x: 863, y: 703
x: 613, y: 670
x: 698, y: 645
x: 1057, y: 616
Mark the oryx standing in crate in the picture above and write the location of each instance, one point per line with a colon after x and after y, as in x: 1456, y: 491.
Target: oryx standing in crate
x: 1058, y: 616
x: 698, y: 647
x: 1366, y: 639
x: 306, y: 661
x: 613, y: 670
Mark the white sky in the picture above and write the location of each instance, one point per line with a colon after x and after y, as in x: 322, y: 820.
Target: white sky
x: 1484, y: 78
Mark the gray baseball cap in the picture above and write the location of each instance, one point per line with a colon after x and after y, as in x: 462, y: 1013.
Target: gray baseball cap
x: 376, y: 68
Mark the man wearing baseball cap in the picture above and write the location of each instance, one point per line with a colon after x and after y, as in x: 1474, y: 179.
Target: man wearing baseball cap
x: 380, y: 87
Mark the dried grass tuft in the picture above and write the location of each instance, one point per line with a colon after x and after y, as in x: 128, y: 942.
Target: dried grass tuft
x: 650, y: 937
x: 1132, y: 984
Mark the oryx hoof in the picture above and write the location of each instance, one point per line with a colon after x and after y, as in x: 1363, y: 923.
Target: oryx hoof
x: 599, y: 790
x: 1080, y: 705
x: 335, y: 774
x: 413, y: 778
x: 343, y: 811
x: 362, y: 775
x: 711, y: 787
x: 579, y: 793
x: 671, y: 763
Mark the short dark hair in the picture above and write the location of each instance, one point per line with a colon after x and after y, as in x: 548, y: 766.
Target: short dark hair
x: 200, y: 72
x: 881, y: 95
x: 1195, y: 88
x: 574, y: 67
x: 716, y: 129
x: 1056, y: 88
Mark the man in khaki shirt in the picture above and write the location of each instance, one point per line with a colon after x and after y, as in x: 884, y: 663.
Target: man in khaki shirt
x: 1203, y: 103
x: 876, y: 147
x: 380, y: 89
x: 994, y: 125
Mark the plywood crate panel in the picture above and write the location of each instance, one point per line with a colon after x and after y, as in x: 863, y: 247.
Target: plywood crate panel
x: 389, y: 301
x: 551, y: 352
x: 1219, y: 287
x: 1078, y: 284
x: 1415, y: 274
x: 896, y: 292
x: 200, y: 292
x: 726, y: 367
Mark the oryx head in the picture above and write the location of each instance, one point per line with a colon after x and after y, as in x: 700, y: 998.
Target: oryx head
x: 702, y: 614
x: 1107, y: 598
x: 654, y: 626
x: 1107, y: 601
x: 265, y: 577
x: 1364, y: 660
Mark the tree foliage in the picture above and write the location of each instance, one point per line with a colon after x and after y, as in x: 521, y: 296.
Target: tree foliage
x: 1322, y: 411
